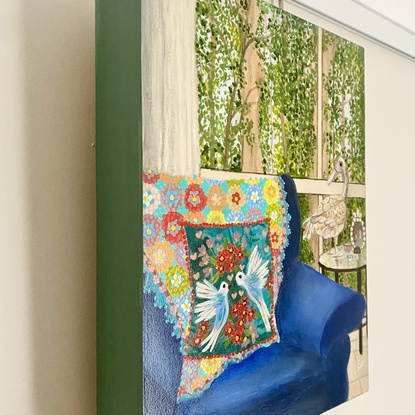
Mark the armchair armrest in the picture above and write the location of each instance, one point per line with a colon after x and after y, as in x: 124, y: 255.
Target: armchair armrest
x: 313, y: 311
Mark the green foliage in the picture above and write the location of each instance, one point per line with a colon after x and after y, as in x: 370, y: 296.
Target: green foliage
x: 306, y: 255
x: 345, y: 115
x: 287, y: 47
x: 289, y: 94
x: 344, y: 109
x: 220, y: 37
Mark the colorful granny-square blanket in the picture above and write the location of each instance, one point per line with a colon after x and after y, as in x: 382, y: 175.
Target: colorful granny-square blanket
x: 213, y: 252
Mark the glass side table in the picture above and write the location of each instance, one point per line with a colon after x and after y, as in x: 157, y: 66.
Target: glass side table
x: 347, y: 262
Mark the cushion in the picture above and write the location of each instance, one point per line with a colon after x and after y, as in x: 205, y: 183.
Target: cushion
x: 199, y: 237
x: 233, y: 298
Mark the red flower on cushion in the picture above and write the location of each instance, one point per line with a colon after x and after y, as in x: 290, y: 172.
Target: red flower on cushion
x: 240, y: 308
x: 240, y: 323
x: 230, y: 266
x: 203, y: 327
x: 231, y: 249
x: 197, y: 340
x: 235, y: 310
x: 224, y: 260
x: 195, y: 199
x: 239, y: 254
x: 149, y: 176
x: 250, y: 314
x: 229, y: 329
x: 244, y: 301
x: 220, y: 268
x: 237, y: 337
x: 244, y: 313
x: 173, y: 227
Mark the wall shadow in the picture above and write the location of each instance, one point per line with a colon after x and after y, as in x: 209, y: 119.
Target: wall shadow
x: 59, y: 56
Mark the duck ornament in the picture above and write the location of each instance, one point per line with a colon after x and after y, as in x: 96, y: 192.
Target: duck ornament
x: 329, y: 218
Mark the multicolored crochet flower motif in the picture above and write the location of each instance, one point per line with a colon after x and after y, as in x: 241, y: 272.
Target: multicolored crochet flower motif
x: 160, y: 256
x: 271, y: 192
x: 194, y: 198
x: 151, y: 231
x: 173, y: 227
x: 150, y: 176
x: 216, y: 199
x: 177, y: 280
x: 254, y: 196
x: 236, y: 198
x: 171, y: 196
x: 151, y: 198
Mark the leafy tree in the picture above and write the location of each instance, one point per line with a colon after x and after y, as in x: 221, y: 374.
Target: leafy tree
x: 223, y: 37
x: 289, y: 96
x: 257, y: 70
x: 344, y: 108
x: 250, y: 96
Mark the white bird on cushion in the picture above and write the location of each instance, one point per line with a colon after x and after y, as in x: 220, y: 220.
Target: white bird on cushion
x: 217, y: 305
x: 254, y: 282
x: 329, y: 218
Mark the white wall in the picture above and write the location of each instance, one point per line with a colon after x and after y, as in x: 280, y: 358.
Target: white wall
x: 47, y: 207
x: 47, y: 215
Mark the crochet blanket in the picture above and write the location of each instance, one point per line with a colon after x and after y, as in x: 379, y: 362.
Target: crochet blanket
x: 213, y: 252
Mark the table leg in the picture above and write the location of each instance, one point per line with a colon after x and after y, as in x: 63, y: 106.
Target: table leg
x: 336, y: 276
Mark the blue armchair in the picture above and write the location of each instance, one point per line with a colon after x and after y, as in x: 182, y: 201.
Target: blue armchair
x: 306, y: 373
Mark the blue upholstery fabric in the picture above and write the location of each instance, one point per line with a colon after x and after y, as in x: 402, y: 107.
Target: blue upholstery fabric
x: 314, y: 311
x: 305, y: 374
x: 265, y: 383
x: 162, y: 361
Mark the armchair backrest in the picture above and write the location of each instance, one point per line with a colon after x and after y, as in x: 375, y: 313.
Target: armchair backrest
x: 292, y: 250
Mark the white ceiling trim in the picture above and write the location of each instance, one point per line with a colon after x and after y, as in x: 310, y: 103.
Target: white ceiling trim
x: 359, y: 17
x: 401, y: 13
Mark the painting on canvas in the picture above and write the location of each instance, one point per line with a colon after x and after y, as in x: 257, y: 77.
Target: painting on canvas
x: 254, y: 211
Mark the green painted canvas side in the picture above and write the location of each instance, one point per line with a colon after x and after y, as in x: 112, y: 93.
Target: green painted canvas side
x: 119, y: 228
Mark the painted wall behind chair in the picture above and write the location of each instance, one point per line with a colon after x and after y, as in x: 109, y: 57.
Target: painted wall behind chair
x: 47, y: 215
